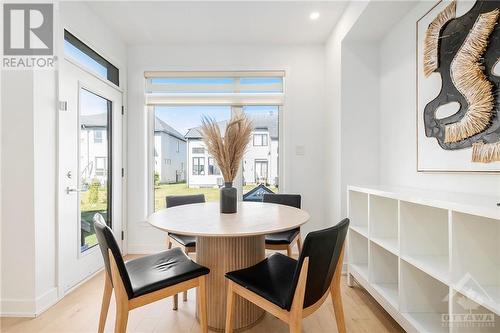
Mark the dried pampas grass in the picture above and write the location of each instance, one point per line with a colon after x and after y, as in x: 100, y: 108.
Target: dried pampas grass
x: 486, y: 152
x: 470, y: 81
x: 227, y: 150
x: 431, y: 40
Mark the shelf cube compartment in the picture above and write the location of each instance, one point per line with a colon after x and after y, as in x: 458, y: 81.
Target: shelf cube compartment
x: 384, y: 273
x: 358, y: 212
x: 423, y: 299
x: 424, y: 239
x: 467, y: 316
x: 358, y: 254
x: 384, y: 222
x: 476, y: 259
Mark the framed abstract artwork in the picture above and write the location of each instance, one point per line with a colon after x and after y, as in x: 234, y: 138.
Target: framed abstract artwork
x: 458, y: 87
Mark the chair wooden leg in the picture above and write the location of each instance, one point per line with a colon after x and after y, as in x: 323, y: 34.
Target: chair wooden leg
x: 229, y: 307
x: 289, y: 250
x: 106, y: 298
x: 185, y: 293
x: 296, y: 325
x: 176, y: 302
x: 202, y: 292
x: 121, y: 318
x: 338, y: 308
x: 169, y: 243
x: 121, y: 297
x: 299, y: 243
x: 295, y: 321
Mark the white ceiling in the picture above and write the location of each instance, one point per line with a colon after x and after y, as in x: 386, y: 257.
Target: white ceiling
x: 235, y: 22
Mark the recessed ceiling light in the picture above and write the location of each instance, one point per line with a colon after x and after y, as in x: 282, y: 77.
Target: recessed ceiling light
x: 314, y: 16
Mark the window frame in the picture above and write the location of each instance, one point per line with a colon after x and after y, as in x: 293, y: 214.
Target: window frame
x: 236, y: 106
x: 262, y: 137
x: 98, y: 138
x: 199, y: 164
x: 112, y: 71
x: 197, y: 152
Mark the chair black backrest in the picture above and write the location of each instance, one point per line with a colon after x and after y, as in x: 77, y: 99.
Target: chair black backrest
x: 178, y: 200
x: 323, y: 248
x: 293, y: 200
x: 107, y: 242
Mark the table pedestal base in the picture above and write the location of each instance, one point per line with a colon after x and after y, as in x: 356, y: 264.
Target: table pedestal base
x: 225, y: 254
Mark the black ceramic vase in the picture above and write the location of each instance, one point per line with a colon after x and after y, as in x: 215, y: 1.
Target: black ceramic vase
x: 228, y: 199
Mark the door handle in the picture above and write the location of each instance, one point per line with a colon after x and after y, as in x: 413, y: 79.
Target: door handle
x: 70, y: 190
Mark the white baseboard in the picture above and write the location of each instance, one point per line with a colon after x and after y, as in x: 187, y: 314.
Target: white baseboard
x: 28, y: 307
x: 18, y: 308
x: 45, y: 301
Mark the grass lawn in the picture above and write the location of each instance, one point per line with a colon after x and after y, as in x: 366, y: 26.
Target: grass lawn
x: 211, y: 194
x: 89, y: 209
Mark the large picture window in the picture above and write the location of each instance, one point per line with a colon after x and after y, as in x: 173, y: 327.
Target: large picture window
x: 177, y: 139
x: 178, y: 105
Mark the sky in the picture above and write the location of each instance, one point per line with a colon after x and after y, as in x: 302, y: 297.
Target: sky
x: 92, y: 104
x: 182, y: 118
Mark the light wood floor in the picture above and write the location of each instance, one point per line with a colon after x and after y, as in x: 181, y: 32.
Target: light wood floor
x: 79, y: 312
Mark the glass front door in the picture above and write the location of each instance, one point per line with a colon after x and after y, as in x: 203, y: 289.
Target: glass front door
x: 94, y: 168
x: 261, y: 172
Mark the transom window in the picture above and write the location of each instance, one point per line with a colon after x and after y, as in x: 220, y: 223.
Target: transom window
x: 234, y: 84
x: 90, y: 59
x: 198, y: 150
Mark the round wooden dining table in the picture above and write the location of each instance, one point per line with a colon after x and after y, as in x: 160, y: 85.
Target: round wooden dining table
x: 227, y: 242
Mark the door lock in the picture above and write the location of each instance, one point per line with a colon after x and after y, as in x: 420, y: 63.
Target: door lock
x: 70, y: 190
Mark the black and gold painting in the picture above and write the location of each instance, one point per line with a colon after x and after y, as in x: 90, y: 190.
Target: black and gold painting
x: 458, y: 87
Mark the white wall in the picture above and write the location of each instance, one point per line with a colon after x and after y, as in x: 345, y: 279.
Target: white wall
x: 333, y: 110
x: 17, y: 215
x: 303, y: 116
x: 360, y: 116
x: 398, y: 118
x: 28, y: 175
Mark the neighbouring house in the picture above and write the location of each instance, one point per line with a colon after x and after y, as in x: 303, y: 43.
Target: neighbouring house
x: 170, y: 153
x: 260, y: 162
x: 93, y: 148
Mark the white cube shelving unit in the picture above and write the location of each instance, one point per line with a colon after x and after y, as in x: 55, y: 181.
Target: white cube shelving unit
x: 462, y: 307
x: 431, y: 259
x: 384, y: 273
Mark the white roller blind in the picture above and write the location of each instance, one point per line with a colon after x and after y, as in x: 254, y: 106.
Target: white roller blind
x: 212, y: 88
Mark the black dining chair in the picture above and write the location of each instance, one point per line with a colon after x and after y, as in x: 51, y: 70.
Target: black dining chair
x: 284, y: 240
x: 187, y: 243
x: 293, y: 289
x: 144, y: 280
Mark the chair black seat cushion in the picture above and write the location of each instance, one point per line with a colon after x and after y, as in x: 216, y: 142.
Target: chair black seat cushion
x: 188, y: 241
x: 282, y: 238
x: 271, y: 279
x: 164, y: 269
